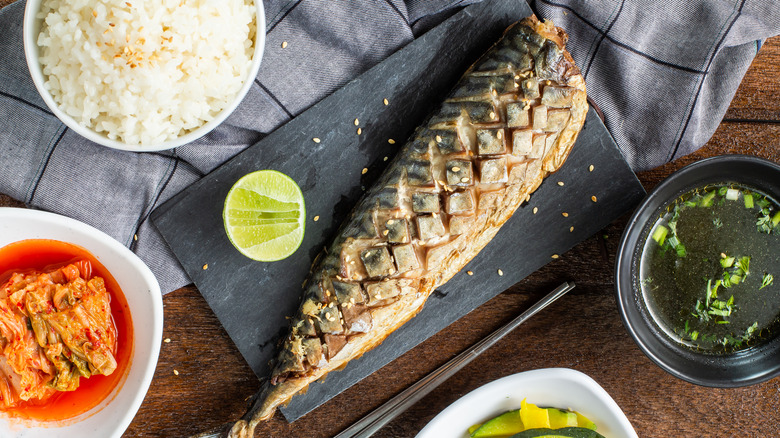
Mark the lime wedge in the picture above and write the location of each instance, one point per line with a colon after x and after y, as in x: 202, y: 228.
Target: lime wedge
x: 265, y: 215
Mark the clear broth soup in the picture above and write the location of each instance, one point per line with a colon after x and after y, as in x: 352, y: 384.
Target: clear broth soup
x: 709, y: 265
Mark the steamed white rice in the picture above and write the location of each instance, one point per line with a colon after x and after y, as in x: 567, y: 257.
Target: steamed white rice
x: 145, y: 71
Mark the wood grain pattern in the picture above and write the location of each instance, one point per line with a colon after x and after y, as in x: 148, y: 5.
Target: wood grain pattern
x: 581, y: 331
x: 756, y: 99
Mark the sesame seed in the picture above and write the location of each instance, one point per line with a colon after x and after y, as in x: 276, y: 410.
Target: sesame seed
x: 560, y: 183
x: 495, y: 93
x: 593, y: 198
x: 500, y: 135
x: 135, y: 237
x: 316, y: 139
x: 517, y: 77
x: 386, y: 102
x: 385, y: 232
x: 284, y: 44
x: 500, y: 272
x: 571, y: 229
x: 391, y: 141
x: 384, y: 159
x: 94, y: 13
x: 565, y: 214
x: 590, y: 168
x: 456, y: 169
x: 464, y: 179
x: 167, y: 340
x: 377, y: 296
x: 555, y: 256
x: 536, y: 209
x: 390, y: 222
x: 470, y: 272
x: 316, y: 218
x: 359, y: 131
x: 175, y: 372
x: 438, y: 138
x: 357, y: 122
x: 365, y: 170
x: 492, y: 115
x: 206, y: 266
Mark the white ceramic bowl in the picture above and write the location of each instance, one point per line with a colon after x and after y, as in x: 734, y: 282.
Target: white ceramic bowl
x: 111, y: 417
x: 32, y: 28
x: 551, y: 387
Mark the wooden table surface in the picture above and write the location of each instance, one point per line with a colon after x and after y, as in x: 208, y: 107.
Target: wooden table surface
x: 201, y: 380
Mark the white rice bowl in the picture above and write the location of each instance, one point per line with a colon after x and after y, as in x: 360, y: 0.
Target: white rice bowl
x: 145, y: 72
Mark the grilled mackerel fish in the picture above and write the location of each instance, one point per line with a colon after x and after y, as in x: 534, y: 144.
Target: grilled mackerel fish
x: 510, y: 121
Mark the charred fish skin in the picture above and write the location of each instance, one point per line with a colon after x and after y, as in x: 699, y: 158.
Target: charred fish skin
x: 510, y: 120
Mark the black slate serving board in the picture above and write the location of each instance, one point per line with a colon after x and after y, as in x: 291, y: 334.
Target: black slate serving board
x: 252, y: 299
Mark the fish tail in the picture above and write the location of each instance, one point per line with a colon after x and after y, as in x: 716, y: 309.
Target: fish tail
x: 241, y: 429
x: 263, y: 408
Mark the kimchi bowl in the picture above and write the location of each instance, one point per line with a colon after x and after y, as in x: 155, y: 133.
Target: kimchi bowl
x: 139, y: 325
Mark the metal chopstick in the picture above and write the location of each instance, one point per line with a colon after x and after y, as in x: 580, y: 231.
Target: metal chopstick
x: 382, y: 415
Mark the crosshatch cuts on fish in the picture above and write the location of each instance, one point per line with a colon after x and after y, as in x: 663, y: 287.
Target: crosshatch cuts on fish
x: 510, y: 121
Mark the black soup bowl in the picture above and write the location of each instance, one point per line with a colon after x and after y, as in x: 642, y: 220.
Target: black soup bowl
x: 752, y: 365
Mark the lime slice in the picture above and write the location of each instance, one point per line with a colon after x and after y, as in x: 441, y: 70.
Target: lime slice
x: 265, y: 215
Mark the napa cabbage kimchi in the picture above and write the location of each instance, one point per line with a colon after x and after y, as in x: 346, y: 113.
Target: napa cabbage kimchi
x: 55, y: 328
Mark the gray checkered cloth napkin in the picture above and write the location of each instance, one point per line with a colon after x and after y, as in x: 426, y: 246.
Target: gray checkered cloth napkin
x: 662, y: 71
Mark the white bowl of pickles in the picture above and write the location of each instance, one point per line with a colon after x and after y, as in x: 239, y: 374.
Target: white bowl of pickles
x: 529, y: 404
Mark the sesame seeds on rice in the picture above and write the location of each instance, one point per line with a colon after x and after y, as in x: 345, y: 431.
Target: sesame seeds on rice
x: 145, y: 72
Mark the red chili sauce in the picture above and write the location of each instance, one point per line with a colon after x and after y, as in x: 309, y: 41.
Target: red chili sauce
x: 47, y: 255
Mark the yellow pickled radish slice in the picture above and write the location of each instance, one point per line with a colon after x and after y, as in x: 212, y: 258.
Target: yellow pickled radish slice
x: 534, y: 417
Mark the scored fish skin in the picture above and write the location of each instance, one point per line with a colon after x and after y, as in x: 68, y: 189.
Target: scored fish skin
x: 510, y: 120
